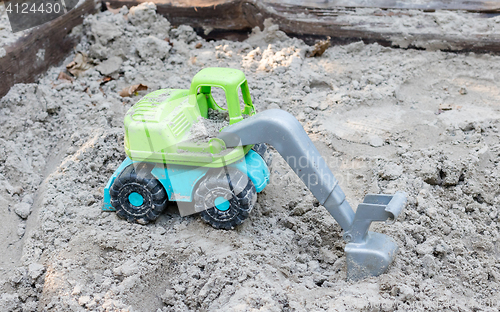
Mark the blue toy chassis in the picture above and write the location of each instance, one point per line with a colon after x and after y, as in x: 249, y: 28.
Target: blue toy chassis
x: 180, y: 182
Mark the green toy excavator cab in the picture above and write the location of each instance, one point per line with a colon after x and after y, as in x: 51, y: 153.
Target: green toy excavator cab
x: 231, y: 81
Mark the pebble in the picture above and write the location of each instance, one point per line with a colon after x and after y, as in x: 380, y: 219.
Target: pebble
x: 83, y: 300
x: 23, y: 210
x: 391, y: 171
x: 376, y: 141
x: 35, y: 270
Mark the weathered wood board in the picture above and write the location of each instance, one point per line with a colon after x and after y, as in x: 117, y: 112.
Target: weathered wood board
x: 381, y: 21
x: 428, y: 5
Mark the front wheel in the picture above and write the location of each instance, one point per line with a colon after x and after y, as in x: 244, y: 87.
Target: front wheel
x: 137, y: 195
x: 225, y: 198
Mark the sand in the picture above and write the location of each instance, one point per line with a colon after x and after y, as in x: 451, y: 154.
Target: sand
x: 385, y: 119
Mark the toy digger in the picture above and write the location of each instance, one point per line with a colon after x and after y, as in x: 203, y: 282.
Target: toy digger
x: 222, y: 175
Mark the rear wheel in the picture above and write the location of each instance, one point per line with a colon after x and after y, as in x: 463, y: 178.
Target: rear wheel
x: 138, y: 196
x: 263, y: 150
x: 225, y: 198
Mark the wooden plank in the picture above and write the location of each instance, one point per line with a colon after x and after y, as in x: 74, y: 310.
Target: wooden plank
x: 213, y: 14
x: 400, y: 28
x: 24, y: 62
x: 427, y: 5
x: 316, y: 19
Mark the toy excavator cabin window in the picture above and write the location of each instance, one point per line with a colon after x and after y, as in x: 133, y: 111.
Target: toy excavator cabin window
x: 211, y: 97
x: 217, y: 98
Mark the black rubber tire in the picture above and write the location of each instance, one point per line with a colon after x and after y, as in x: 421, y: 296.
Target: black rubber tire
x: 235, y: 187
x: 138, y: 178
x: 263, y: 150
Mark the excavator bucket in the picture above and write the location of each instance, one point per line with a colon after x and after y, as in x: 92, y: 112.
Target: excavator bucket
x: 368, y: 253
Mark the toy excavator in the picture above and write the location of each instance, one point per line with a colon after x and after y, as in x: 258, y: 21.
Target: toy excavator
x: 222, y: 175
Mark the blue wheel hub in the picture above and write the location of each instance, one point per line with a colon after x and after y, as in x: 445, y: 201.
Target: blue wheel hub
x: 136, y: 199
x: 221, y: 203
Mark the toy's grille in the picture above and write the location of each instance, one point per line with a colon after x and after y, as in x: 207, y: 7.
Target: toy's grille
x: 181, y: 123
x: 145, y: 111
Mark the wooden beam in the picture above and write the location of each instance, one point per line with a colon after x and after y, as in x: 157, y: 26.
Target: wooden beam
x: 426, y: 5
x: 45, y: 46
x: 320, y: 18
x: 213, y: 14
x: 439, y: 30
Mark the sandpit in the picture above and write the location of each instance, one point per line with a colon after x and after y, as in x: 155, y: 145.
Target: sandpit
x: 385, y: 120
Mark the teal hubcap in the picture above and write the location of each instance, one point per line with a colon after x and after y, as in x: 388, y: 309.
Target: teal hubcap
x: 135, y: 199
x: 221, y: 203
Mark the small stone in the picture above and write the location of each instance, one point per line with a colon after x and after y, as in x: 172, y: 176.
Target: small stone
x: 35, y: 270
x: 23, y: 210
x: 442, y: 248
x: 84, y: 300
x: 168, y: 297
x: 313, y: 104
x: 77, y: 290
x: 376, y: 141
x: 110, y: 65
x: 462, y: 91
x: 424, y: 249
x: 391, y: 171
x: 429, y: 265
x: 324, y: 105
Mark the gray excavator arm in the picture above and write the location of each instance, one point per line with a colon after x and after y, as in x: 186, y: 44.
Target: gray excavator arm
x: 368, y: 253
